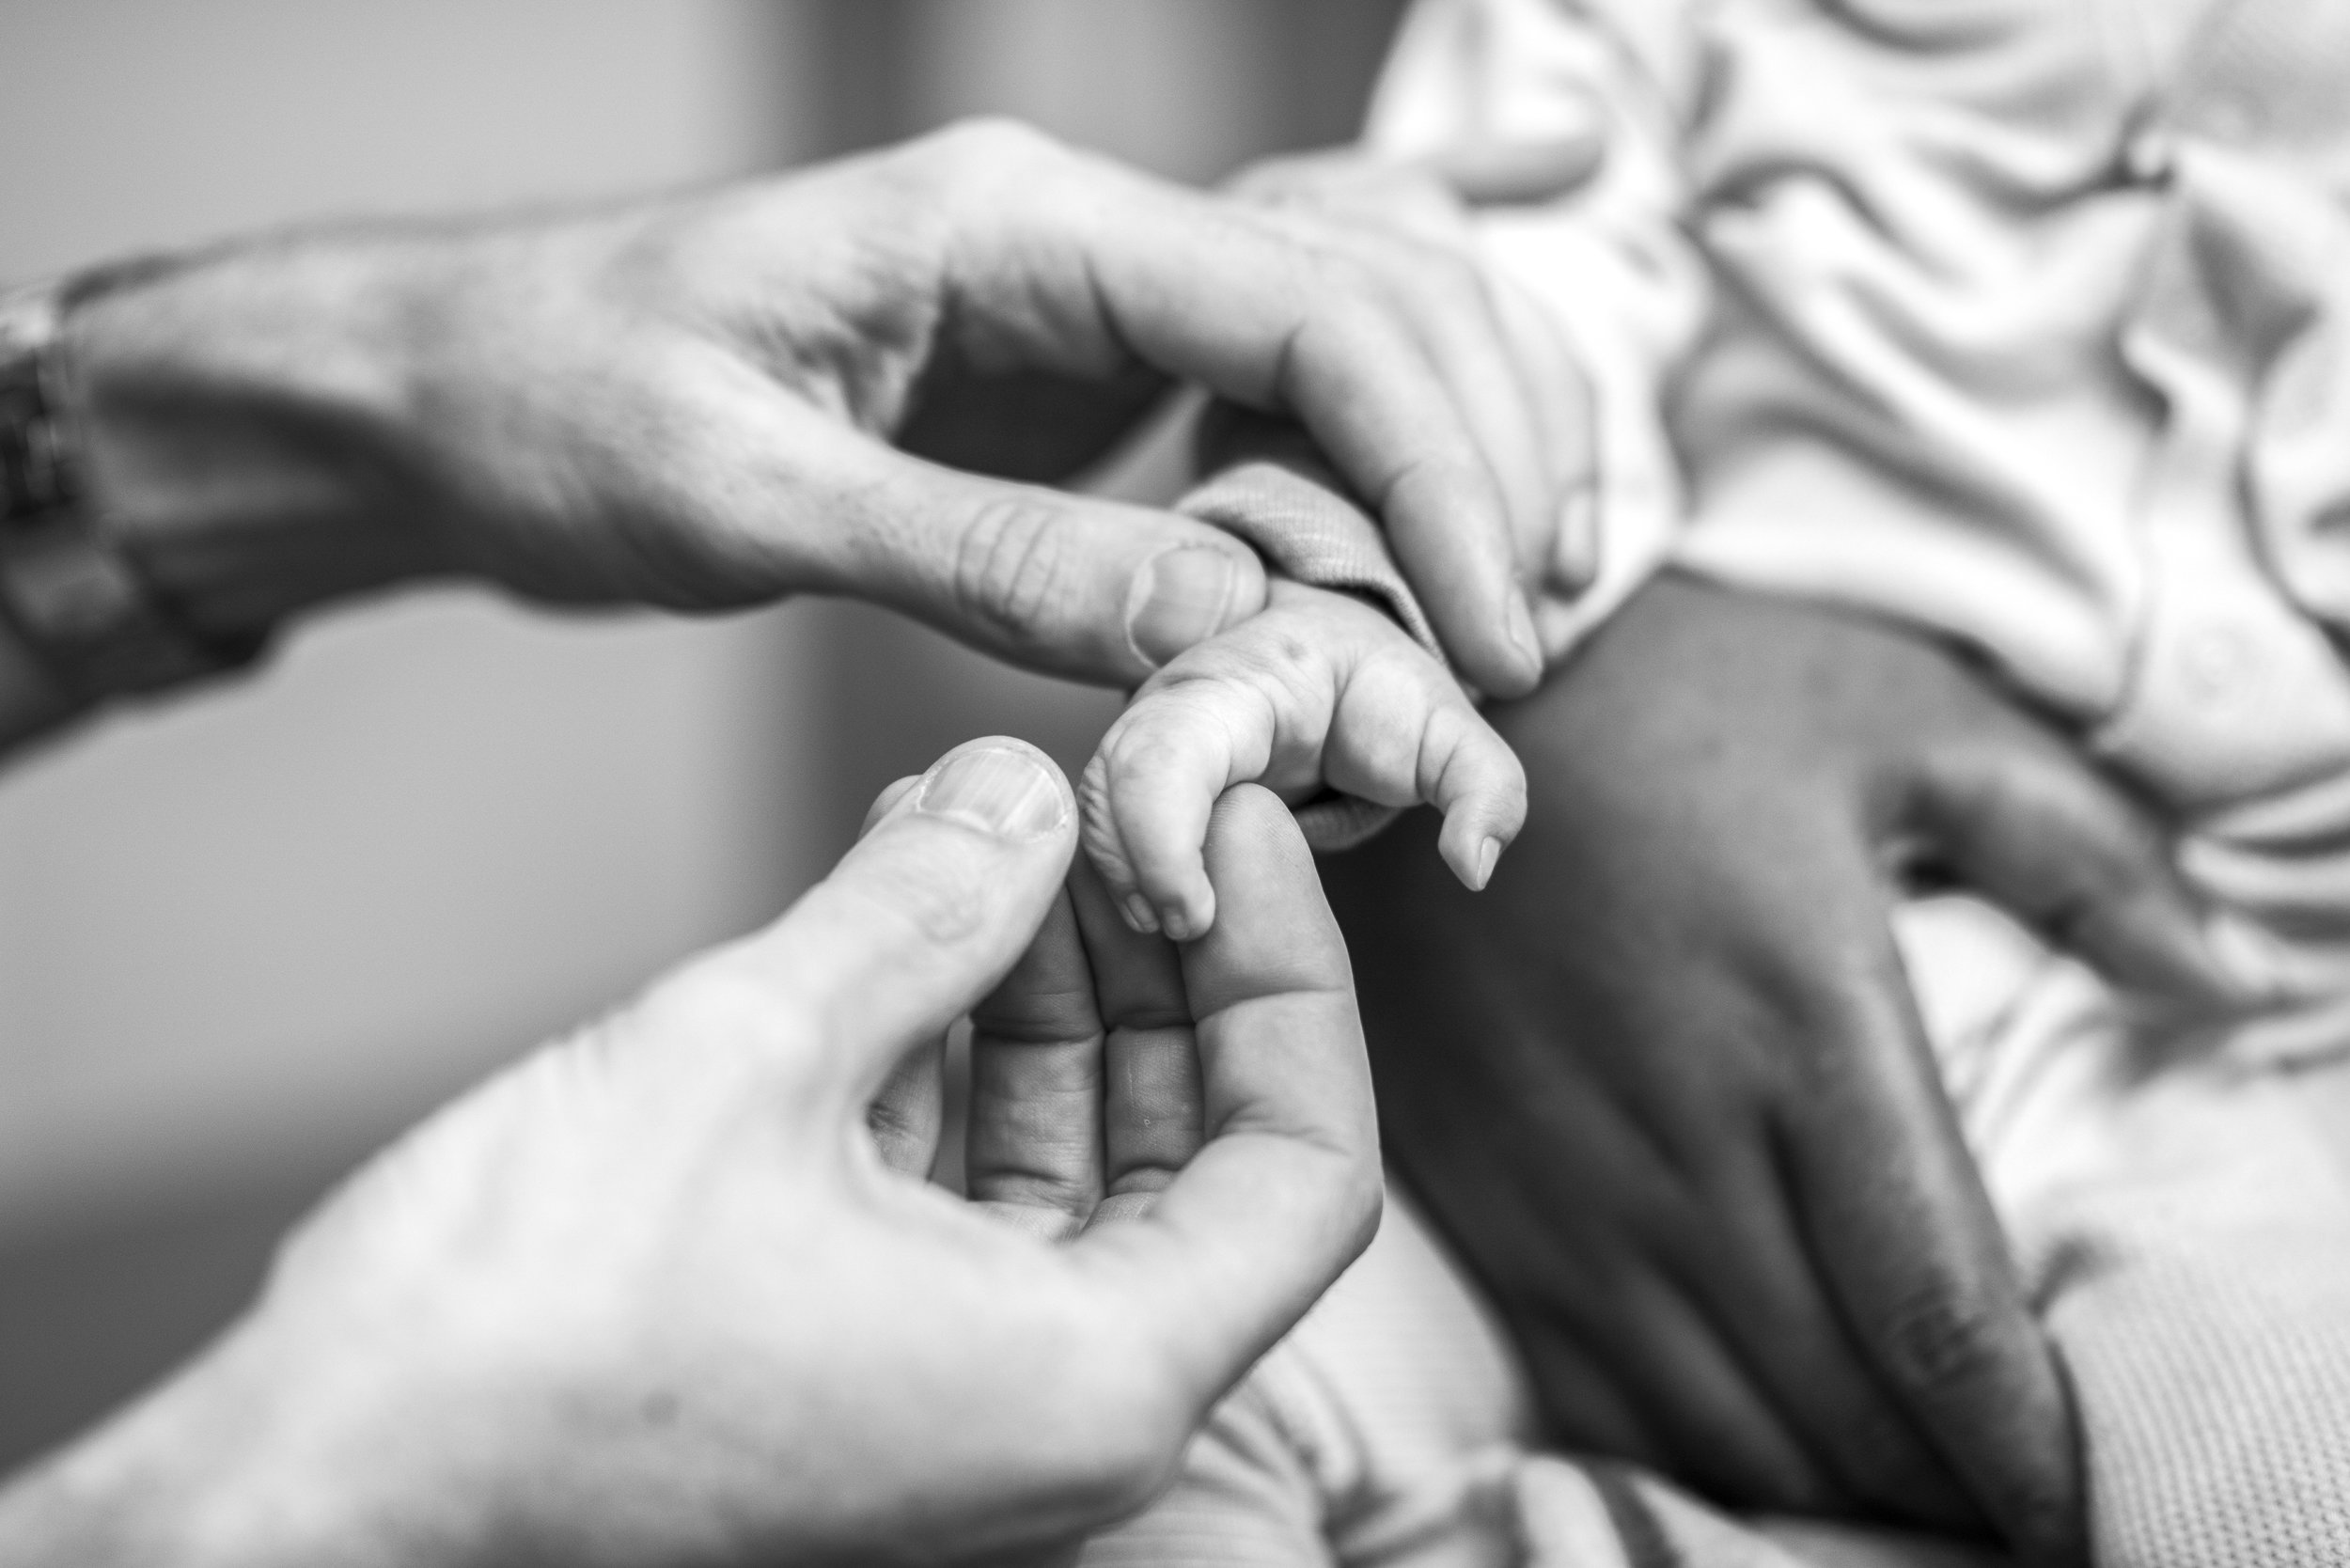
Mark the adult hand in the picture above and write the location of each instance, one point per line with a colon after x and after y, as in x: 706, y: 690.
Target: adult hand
x: 1432, y: 202
x: 1665, y: 1084
x: 693, y: 404
x: 675, y: 1290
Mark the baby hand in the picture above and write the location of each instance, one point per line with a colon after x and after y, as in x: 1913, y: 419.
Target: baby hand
x: 1318, y: 690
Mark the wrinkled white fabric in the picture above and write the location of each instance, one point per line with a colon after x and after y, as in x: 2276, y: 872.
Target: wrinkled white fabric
x: 2019, y: 321
x: 2022, y: 323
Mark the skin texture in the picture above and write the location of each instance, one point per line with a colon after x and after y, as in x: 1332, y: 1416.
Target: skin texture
x: 593, y: 1312
x: 676, y: 1291
x: 858, y: 379
x: 1319, y: 690
x: 1665, y: 1084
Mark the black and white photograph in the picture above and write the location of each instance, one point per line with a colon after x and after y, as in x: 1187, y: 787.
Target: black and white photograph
x: 1175, y: 783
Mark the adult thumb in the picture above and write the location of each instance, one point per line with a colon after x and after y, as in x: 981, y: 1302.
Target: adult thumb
x: 2032, y: 826
x: 918, y: 921
x: 1067, y: 583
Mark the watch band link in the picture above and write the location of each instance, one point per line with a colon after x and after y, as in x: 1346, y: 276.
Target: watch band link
x: 75, y: 598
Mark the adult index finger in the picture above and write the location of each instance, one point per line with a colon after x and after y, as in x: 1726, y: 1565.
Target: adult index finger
x: 1286, y: 1191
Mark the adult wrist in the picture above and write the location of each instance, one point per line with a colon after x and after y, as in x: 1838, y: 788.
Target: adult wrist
x: 72, y: 599
x: 249, y: 1458
x: 31, y: 703
x: 233, y: 414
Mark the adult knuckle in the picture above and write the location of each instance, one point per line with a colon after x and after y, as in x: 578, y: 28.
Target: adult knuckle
x: 1464, y: 285
x: 1941, y: 1339
x: 1012, y: 573
x: 991, y: 146
x: 1410, y: 266
x: 1366, y: 303
x: 1345, y: 294
x: 971, y: 176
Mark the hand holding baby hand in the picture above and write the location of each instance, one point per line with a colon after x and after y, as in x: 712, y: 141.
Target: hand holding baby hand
x: 675, y: 1292
x: 858, y: 379
x: 1319, y: 691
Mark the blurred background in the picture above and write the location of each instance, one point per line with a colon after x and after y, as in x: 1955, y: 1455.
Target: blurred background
x: 246, y: 938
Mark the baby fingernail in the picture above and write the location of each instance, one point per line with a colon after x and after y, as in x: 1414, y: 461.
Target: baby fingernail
x: 997, y: 790
x: 1139, y: 915
x: 1179, y: 597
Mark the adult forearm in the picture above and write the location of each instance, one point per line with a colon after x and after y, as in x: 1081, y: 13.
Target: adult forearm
x: 194, y: 450
x: 238, y: 419
x: 168, y: 1482
x: 255, y: 1455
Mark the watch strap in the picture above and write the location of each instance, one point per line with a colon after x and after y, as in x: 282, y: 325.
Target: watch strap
x: 74, y: 597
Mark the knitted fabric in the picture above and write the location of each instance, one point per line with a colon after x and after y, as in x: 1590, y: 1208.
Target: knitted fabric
x: 2182, y: 1216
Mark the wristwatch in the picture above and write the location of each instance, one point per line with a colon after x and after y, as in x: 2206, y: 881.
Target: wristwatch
x: 72, y: 595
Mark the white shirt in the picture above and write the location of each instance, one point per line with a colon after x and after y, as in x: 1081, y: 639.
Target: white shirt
x: 2019, y: 321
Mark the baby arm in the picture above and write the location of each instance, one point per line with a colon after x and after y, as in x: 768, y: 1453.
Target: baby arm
x: 1320, y: 691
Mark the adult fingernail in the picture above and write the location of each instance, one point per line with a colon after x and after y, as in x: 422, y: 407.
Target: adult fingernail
x: 1012, y: 794
x: 1488, y: 853
x: 1179, y: 597
x: 1521, y: 626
